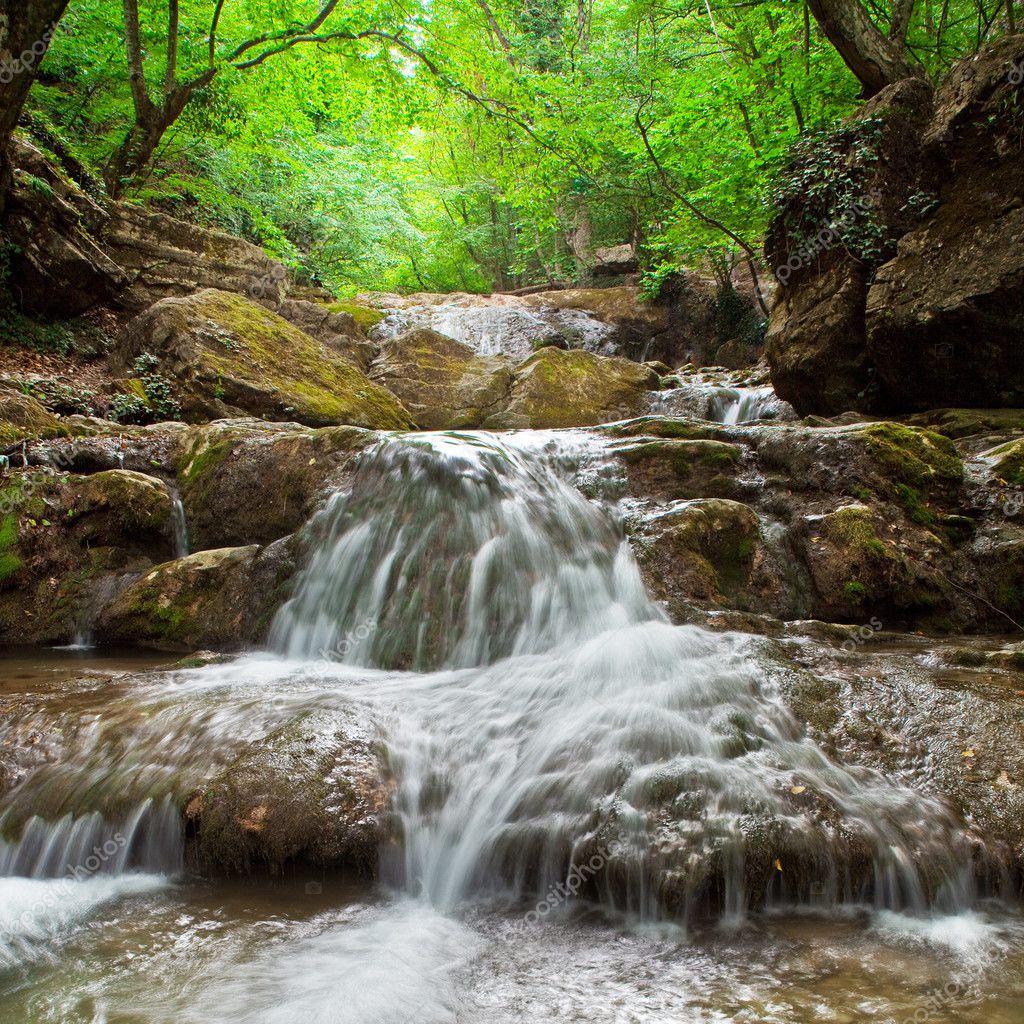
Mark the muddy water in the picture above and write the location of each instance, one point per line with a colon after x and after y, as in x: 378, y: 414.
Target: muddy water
x: 488, y: 623
x: 316, y: 949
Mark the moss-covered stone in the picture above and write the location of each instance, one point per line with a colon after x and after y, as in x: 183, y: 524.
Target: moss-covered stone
x: 22, y: 417
x: 313, y: 791
x: 444, y: 384
x: 708, y: 551
x: 555, y: 388
x: 676, y: 469
x: 220, y: 599
x: 245, y: 482
x: 228, y: 355
x: 1010, y: 463
x: 119, y: 503
x: 365, y: 317
x: 921, y: 459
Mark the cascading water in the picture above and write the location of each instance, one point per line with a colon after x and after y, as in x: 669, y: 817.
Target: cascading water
x: 730, y: 405
x: 546, y: 731
x: 501, y: 326
x: 556, y: 716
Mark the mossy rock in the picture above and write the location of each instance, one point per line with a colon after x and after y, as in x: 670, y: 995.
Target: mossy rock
x: 24, y: 418
x: 665, y: 427
x: 226, y: 467
x: 677, y: 469
x: 957, y: 423
x: 313, y: 792
x: 119, y: 503
x: 917, y: 458
x: 227, y: 356
x: 444, y: 384
x: 706, y: 551
x: 856, y: 566
x: 1009, y: 464
x: 555, y: 388
x: 221, y: 599
x: 366, y: 317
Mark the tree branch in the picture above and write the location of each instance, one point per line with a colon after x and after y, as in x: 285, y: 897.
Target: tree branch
x: 703, y: 217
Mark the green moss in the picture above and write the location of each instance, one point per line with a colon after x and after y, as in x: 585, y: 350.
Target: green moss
x: 364, y: 316
x: 968, y: 658
x: 920, y: 459
x: 250, y: 345
x: 855, y: 591
x: 10, y: 563
x: 1010, y: 466
x: 916, y: 511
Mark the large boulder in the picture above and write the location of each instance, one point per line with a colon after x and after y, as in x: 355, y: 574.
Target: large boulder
x: 220, y: 599
x: 945, y: 316
x: 840, y: 211
x: 224, y: 470
x: 444, y: 384
x: 228, y: 356
x: 898, y: 245
x: 556, y: 388
x: 312, y: 791
x: 69, y: 544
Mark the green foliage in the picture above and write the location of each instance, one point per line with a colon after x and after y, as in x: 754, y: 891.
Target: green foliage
x: 493, y: 146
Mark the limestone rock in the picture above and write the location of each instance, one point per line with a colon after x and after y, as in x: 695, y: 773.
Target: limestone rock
x: 573, y: 389
x: 444, y: 384
x: 220, y: 599
x: 229, y: 356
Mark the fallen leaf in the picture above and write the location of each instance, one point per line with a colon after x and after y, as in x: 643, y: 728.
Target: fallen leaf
x: 968, y: 753
x: 778, y: 864
x: 797, y: 790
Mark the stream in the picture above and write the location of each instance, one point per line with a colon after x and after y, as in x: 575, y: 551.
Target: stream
x: 595, y: 815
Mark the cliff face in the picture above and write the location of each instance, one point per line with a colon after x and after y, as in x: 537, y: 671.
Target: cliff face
x: 898, y: 246
x: 71, y: 251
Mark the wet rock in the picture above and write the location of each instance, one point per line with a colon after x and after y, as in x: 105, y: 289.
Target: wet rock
x: 444, y: 384
x: 250, y: 482
x: 313, y: 791
x: 943, y: 717
x: 229, y: 356
x: 69, y: 544
x: 707, y: 552
x: 573, y: 389
x: 221, y: 599
x: 682, y: 468
x: 119, y: 504
x: 914, y: 300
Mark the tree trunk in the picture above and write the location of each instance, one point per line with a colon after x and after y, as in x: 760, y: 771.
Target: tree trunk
x: 26, y: 28
x: 134, y: 155
x: 877, y: 61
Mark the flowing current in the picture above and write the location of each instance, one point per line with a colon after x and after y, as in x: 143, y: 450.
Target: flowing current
x: 551, y: 739
x: 556, y: 718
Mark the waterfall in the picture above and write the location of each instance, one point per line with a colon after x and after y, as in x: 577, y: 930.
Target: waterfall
x: 179, y: 526
x: 548, y: 718
x: 501, y: 325
x: 707, y: 400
